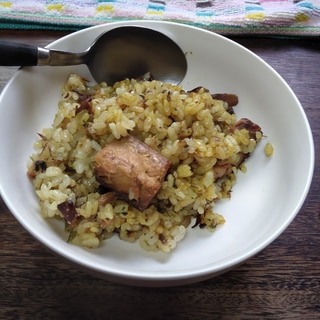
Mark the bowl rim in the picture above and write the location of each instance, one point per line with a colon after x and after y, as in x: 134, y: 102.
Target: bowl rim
x: 177, y: 277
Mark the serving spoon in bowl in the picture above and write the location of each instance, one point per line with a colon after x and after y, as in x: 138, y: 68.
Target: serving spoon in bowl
x: 124, y: 52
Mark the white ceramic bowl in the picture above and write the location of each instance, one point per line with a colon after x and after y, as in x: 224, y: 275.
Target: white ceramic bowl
x: 264, y: 201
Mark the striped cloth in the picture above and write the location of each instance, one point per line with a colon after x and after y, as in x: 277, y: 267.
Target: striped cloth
x: 281, y: 17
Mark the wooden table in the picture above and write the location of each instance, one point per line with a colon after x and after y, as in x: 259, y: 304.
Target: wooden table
x: 281, y: 282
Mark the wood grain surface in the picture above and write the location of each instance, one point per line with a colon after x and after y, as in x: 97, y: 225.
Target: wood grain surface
x: 281, y: 282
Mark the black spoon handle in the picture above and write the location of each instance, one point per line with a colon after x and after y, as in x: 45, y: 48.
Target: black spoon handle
x: 18, y: 54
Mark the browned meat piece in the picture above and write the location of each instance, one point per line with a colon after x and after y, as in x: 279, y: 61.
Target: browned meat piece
x: 221, y: 169
x: 105, y: 198
x: 231, y: 99
x: 242, y: 158
x: 245, y: 123
x: 68, y: 211
x: 85, y: 103
x: 132, y: 169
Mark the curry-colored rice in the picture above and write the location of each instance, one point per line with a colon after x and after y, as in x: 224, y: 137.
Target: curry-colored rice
x: 191, y: 129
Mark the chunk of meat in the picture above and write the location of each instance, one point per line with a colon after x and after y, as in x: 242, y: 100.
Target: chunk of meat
x: 230, y: 98
x: 85, y: 103
x: 221, y: 170
x: 68, y: 211
x: 132, y: 169
x: 245, y: 123
x: 105, y: 198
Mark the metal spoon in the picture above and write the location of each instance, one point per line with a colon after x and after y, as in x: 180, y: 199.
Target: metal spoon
x: 124, y: 52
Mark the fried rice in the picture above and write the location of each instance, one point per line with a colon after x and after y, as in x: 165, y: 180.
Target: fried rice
x: 198, y: 132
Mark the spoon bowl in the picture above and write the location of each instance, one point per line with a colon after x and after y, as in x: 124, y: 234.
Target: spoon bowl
x: 123, y: 52
x: 130, y: 52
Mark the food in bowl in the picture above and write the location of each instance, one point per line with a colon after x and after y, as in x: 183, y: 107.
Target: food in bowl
x: 141, y: 159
